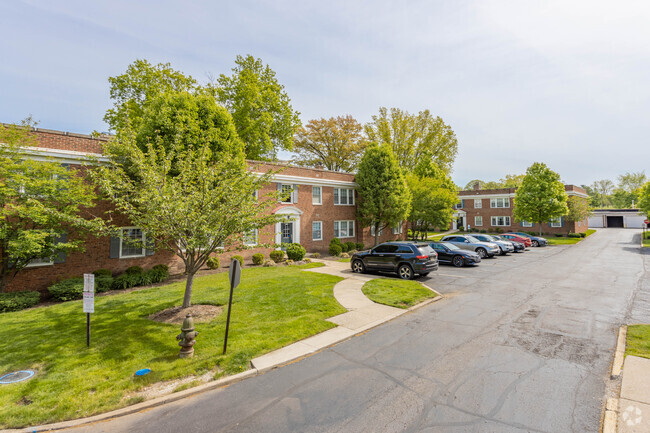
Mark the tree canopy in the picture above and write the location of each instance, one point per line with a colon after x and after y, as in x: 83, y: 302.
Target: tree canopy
x: 541, y: 196
x: 644, y: 200
x: 260, y: 108
x: 577, y: 209
x: 413, y: 136
x: 509, y: 181
x: 336, y: 143
x: 384, y: 197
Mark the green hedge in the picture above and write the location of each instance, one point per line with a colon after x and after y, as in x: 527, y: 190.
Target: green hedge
x: 213, y: 263
x: 15, y: 301
x: 276, y: 255
x: 296, y: 252
x: 67, y: 290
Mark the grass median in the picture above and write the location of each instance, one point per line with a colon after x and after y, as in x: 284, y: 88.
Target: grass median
x: 646, y: 239
x: 272, y: 308
x: 397, y: 293
x: 638, y: 341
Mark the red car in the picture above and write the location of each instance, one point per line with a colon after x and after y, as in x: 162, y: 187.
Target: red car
x: 517, y: 238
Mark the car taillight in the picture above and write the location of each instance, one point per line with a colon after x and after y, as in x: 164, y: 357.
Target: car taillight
x: 422, y: 257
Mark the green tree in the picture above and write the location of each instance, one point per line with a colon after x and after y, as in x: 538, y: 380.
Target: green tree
x: 336, y: 143
x: 578, y: 210
x: 594, y: 197
x: 603, y: 187
x: 384, y: 198
x: 632, y: 182
x: 644, y: 199
x: 260, y: 108
x: 621, y: 199
x: 191, y: 207
x: 142, y: 81
x: 509, y: 181
x: 40, y: 202
x: 541, y: 196
x: 413, y: 136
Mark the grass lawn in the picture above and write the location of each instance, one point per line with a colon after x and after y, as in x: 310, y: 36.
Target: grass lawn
x: 552, y: 240
x: 272, y: 307
x: 638, y: 341
x: 397, y: 293
x: 646, y: 241
x: 344, y: 260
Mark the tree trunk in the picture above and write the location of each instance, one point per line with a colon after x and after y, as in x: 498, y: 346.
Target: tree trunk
x: 187, y: 298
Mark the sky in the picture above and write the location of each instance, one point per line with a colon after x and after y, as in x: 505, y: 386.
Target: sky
x: 559, y: 82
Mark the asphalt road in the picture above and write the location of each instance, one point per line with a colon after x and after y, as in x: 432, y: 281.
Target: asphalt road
x: 520, y: 344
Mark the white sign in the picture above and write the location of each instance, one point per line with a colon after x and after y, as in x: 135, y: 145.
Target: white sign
x: 89, y: 293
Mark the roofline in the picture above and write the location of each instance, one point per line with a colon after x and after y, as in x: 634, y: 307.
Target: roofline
x: 99, y: 136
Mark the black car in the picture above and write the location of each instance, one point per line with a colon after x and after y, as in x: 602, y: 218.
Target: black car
x: 404, y: 257
x: 450, y: 253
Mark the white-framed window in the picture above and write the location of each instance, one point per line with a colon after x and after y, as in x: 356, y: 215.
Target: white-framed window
x: 250, y: 238
x: 500, y: 202
x: 478, y: 220
x: 372, y: 230
x: 289, y: 191
x: 460, y: 204
x: 397, y: 229
x: 317, y: 231
x: 344, y: 196
x: 344, y: 229
x: 500, y: 221
x: 478, y: 203
x: 129, y: 249
x: 43, y: 261
x: 555, y: 222
x: 526, y: 224
x: 316, y: 195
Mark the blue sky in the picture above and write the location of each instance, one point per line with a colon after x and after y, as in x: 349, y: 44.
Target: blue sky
x: 562, y: 82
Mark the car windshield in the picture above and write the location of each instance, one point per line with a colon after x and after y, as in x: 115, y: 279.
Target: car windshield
x: 472, y: 239
x: 449, y: 246
x: 496, y: 238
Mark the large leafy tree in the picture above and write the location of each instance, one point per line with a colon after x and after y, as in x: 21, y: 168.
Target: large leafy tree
x: 541, y: 196
x: 644, y: 199
x: 578, y: 209
x: 260, y: 108
x: 603, y: 188
x: 336, y: 143
x: 185, y: 200
x: 384, y: 197
x: 412, y: 136
x: 509, y: 181
x: 40, y: 202
x: 632, y: 182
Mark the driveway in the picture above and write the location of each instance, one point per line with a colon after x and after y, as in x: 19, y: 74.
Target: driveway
x: 521, y: 344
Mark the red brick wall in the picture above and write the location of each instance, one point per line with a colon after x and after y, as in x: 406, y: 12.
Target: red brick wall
x: 69, y: 141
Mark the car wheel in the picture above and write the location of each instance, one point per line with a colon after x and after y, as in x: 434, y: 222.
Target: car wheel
x: 358, y: 267
x: 405, y: 272
x: 501, y: 252
x: 481, y: 252
x: 458, y: 261
x: 535, y: 243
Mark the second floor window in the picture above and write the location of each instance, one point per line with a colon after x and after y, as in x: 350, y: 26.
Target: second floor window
x: 344, y: 196
x: 500, y: 202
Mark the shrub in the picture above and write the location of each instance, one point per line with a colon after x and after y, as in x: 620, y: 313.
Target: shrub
x: 268, y: 263
x: 583, y: 235
x: 315, y: 255
x: 213, y: 263
x: 461, y: 228
x: 345, y: 255
x: 351, y: 246
x: 483, y: 231
x: 15, y: 301
x: 574, y: 235
x: 277, y: 255
x: 240, y: 259
x: 134, y: 270
x: 126, y: 281
x: 103, y: 273
x: 559, y: 235
x: 336, y: 241
x: 359, y: 246
x: 335, y: 250
x: 161, y: 273
x: 296, y: 252
x: 258, y: 259
x: 103, y: 283
x: 306, y: 260
x: 289, y: 262
x: 67, y: 290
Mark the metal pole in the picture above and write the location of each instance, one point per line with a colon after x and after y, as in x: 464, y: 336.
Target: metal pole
x: 232, y: 283
x: 88, y: 329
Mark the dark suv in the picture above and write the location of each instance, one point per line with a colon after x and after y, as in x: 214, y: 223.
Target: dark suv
x: 406, y: 258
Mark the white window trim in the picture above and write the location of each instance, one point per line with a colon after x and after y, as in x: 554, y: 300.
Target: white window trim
x: 479, y: 202
x: 292, y: 196
x: 397, y: 230
x: 509, y: 221
x: 477, y: 219
x: 555, y: 223
x: 251, y: 244
x: 320, y: 195
x: 347, y: 229
x: 526, y: 224
x: 38, y: 265
x: 321, y: 231
x: 348, y: 196
x: 493, y: 203
x: 144, y: 240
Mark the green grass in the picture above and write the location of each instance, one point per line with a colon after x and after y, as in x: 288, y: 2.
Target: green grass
x: 638, y: 341
x: 552, y: 240
x: 396, y: 293
x: 344, y: 260
x: 646, y: 240
x: 272, y: 308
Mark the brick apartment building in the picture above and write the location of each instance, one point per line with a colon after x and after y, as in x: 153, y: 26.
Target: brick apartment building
x: 489, y: 209
x: 322, y: 206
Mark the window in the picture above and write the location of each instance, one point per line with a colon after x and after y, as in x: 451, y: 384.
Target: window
x: 132, y: 242
x: 500, y: 202
x: 478, y: 203
x: 526, y: 224
x: 460, y: 204
x: 289, y: 192
x: 343, y: 196
x: 500, y: 220
x: 317, y: 231
x: 343, y: 229
x: 316, y: 195
x: 372, y: 230
x: 43, y: 261
x: 397, y: 230
x: 250, y: 238
x: 555, y: 222
x: 404, y: 249
x: 386, y: 248
x: 478, y: 220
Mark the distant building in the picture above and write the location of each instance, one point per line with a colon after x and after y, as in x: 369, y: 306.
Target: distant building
x: 622, y: 218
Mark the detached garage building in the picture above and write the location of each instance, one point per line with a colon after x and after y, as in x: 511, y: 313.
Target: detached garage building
x: 621, y: 218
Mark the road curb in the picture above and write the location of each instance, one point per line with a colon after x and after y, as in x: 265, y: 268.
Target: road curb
x: 611, y: 416
x: 619, y: 354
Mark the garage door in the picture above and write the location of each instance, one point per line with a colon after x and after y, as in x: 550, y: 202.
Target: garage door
x: 634, y: 221
x: 596, y: 221
x: 615, y: 221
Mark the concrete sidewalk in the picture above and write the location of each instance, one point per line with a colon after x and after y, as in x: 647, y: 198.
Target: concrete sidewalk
x: 634, y: 404
x: 362, y: 315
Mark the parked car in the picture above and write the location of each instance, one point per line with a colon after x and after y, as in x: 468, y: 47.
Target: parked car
x: 515, y: 238
x: 450, y: 253
x: 518, y: 246
x: 505, y: 247
x: 407, y: 258
x: 537, y: 241
x: 467, y: 242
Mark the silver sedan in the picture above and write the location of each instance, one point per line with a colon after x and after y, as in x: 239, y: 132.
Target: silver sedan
x: 505, y: 247
x: 467, y: 242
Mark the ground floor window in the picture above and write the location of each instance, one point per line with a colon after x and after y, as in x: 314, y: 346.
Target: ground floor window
x: 372, y: 230
x: 250, y: 238
x: 555, y: 222
x: 132, y: 242
x: 43, y: 261
x: 478, y: 220
x: 397, y: 230
x: 343, y: 229
x: 526, y: 224
x: 317, y: 231
x: 500, y: 220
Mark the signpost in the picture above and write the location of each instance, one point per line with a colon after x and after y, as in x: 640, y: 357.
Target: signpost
x: 89, y: 302
x: 234, y: 274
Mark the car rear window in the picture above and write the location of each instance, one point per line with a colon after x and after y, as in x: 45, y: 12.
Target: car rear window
x: 425, y: 250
